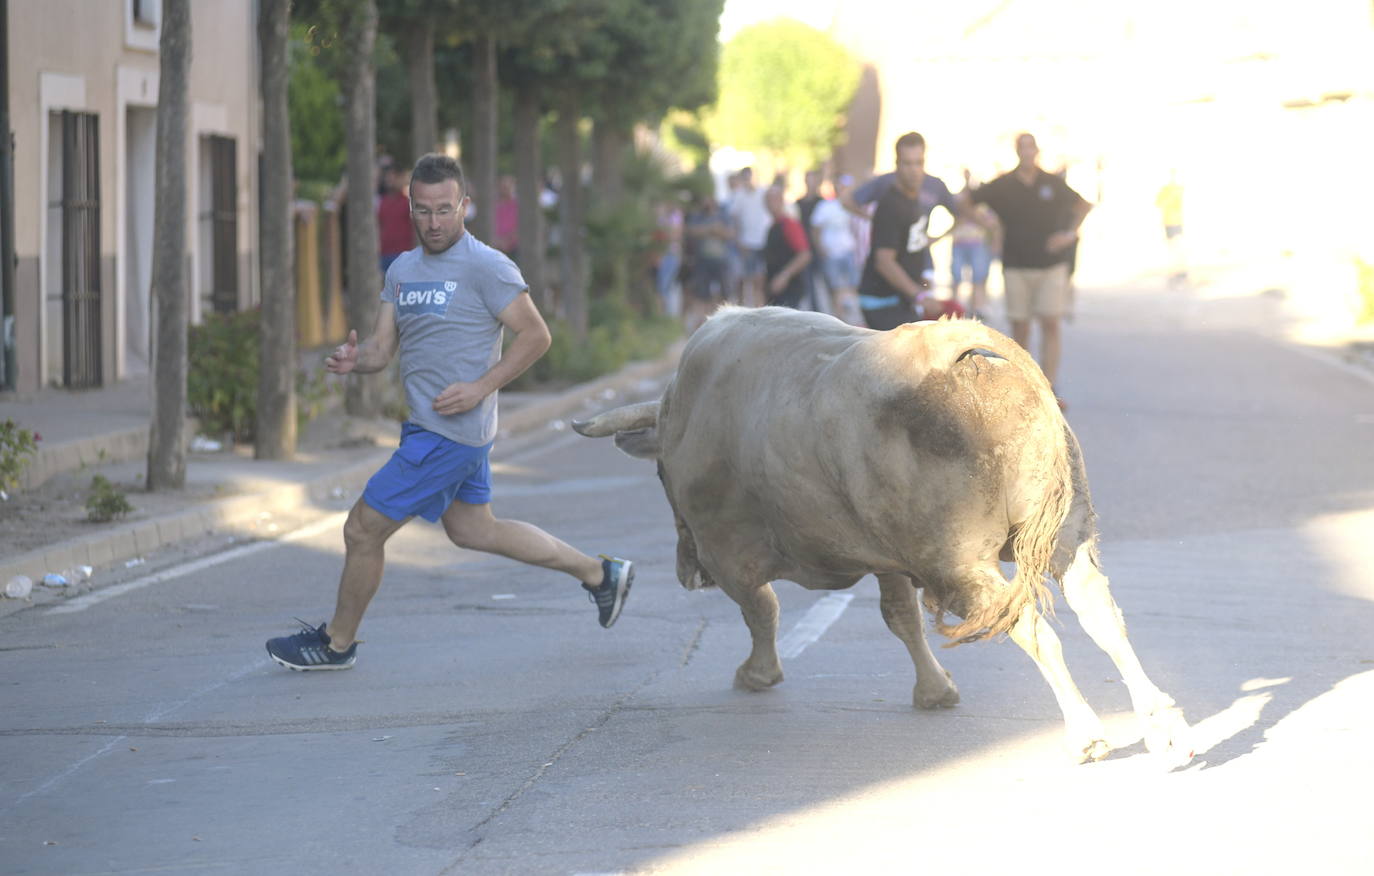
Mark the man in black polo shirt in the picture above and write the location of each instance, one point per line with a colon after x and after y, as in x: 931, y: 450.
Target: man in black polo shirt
x: 1040, y: 216
x: 891, y: 290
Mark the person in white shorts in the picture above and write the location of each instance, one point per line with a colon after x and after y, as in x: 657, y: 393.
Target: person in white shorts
x: 1040, y: 216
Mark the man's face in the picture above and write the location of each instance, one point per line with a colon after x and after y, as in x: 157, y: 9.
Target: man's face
x: 437, y: 209
x: 911, y: 167
x: 1026, y: 150
x: 774, y: 201
x: 813, y: 182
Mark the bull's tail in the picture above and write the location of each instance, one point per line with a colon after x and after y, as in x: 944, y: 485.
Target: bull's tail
x: 1033, y: 545
x: 1035, y: 538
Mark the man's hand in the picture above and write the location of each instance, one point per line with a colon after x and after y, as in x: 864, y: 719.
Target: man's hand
x: 1060, y: 241
x: 457, y: 398
x: 345, y: 356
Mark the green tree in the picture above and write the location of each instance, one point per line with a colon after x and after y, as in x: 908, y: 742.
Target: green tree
x: 316, y: 116
x: 784, y: 88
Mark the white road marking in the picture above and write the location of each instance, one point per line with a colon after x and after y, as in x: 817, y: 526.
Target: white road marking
x: 814, y: 624
x: 81, y: 603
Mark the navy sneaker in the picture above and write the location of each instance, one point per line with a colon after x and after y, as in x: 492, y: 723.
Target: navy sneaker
x: 309, y: 649
x: 616, y: 577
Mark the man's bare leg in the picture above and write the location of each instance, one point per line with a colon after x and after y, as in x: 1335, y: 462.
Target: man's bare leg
x: 1020, y: 333
x: 1050, y: 347
x: 474, y: 527
x: 979, y: 298
x: 365, y: 535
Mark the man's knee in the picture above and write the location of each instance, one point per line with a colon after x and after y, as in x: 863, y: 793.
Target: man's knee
x: 367, y: 528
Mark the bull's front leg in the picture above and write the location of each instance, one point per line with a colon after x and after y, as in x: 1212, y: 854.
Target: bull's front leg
x: 902, y: 613
x: 1087, y: 592
x: 759, y: 605
x: 1086, y: 738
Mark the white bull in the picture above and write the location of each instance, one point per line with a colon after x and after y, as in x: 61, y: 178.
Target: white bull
x: 792, y: 446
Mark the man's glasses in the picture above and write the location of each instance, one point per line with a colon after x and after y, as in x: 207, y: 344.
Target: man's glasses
x: 425, y: 212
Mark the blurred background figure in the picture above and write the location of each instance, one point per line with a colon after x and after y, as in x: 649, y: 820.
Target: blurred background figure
x: 975, y: 241
x: 837, y: 261
x: 1039, y: 215
x: 817, y: 296
x: 506, y: 220
x: 668, y: 215
x: 706, y: 241
x: 752, y: 221
x: 786, y: 254
x: 395, y: 231
x: 1170, y: 204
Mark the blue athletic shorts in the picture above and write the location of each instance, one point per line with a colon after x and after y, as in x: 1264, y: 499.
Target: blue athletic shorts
x: 426, y: 474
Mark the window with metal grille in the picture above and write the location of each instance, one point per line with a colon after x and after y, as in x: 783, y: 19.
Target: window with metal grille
x: 219, y: 232
x: 75, y: 221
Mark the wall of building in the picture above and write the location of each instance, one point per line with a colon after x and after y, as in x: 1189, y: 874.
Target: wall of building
x: 90, y: 57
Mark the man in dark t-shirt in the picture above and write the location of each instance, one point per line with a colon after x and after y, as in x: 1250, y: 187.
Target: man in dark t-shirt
x: 786, y: 253
x: 1040, y: 216
x: 891, y: 290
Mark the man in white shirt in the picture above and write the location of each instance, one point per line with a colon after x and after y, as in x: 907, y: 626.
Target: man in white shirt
x: 752, y: 221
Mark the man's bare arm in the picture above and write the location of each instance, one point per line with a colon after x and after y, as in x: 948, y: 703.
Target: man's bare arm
x: 372, y: 354
x: 885, y: 260
x: 532, y: 340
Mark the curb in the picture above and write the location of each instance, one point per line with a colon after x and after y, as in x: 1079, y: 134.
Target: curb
x: 240, y: 515
x: 73, y: 455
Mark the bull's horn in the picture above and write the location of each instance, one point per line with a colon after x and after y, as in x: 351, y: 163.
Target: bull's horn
x: 640, y: 416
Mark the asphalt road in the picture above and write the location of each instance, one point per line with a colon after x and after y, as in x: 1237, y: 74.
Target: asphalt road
x: 490, y: 726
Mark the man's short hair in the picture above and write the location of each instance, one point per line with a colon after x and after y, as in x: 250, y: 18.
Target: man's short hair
x: 437, y: 167
x: 909, y: 139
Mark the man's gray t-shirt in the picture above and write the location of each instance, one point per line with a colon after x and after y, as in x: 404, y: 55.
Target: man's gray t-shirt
x: 446, y: 318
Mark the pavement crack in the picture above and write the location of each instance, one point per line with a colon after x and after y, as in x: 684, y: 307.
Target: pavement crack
x: 690, y: 651
x: 601, y: 720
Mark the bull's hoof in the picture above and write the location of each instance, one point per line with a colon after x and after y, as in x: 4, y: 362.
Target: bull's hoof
x: 1093, y: 751
x: 943, y: 697
x: 935, y: 693
x: 747, y: 679
x: 1167, y: 737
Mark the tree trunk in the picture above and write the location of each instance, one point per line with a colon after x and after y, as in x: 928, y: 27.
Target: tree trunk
x: 167, y: 435
x: 361, y: 278
x: 424, y: 95
x: 482, y: 165
x: 529, y: 182
x: 276, y: 430
x: 570, y: 215
x: 608, y: 147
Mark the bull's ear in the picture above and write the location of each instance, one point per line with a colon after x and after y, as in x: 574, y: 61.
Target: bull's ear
x: 639, y: 443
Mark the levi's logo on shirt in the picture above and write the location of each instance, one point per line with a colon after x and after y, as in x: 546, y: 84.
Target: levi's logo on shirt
x: 432, y: 296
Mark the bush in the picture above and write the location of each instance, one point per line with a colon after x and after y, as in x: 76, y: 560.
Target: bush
x: 222, y: 380
x: 17, y: 449
x: 105, y: 501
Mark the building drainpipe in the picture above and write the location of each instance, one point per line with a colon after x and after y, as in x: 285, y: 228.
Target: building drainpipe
x: 7, y: 357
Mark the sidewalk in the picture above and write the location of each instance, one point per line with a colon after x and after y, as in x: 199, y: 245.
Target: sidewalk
x: 227, y: 492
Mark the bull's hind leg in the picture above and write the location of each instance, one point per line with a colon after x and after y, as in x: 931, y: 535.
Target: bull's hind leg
x: 902, y: 612
x: 1084, y: 730
x: 1086, y: 590
x: 759, y: 605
